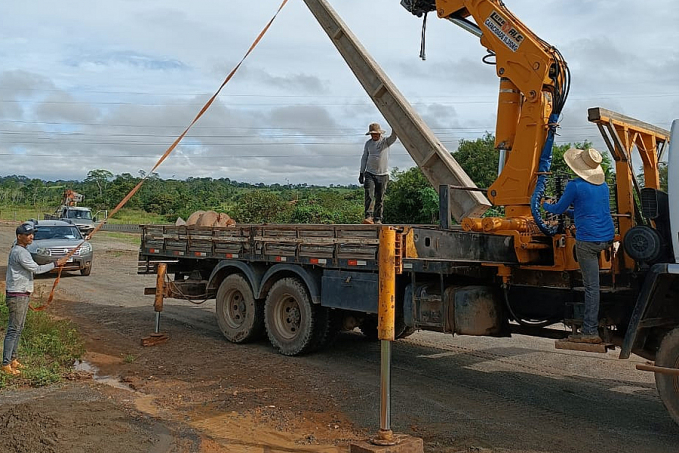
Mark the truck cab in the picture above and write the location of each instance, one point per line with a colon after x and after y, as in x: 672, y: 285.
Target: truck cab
x: 79, y: 216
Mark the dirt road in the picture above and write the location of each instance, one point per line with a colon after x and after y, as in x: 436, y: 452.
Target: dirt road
x: 200, y: 393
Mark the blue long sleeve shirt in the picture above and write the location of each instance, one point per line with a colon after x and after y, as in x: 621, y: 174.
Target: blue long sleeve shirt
x: 591, y: 210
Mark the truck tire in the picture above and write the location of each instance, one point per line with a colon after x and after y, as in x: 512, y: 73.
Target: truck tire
x: 329, y: 335
x: 87, y: 270
x: 369, y: 329
x: 668, y: 385
x: 240, y: 317
x: 293, y: 323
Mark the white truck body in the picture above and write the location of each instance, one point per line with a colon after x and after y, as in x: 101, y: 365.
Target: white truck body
x: 673, y: 186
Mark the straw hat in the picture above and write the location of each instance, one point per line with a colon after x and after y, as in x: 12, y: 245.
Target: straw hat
x: 374, y: 128
x: 586, y: 163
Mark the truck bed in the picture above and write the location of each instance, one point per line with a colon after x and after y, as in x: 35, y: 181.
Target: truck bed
x: 354, y: 247
x: 340, y: 246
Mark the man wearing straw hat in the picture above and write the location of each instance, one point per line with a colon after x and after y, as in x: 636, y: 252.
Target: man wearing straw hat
x: 374, y: 173
x: 589, y: 195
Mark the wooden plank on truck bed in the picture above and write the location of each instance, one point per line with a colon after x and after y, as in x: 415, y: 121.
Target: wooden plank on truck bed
x: 349, y: 232
x: 273, y: 249
x: 317, y: 251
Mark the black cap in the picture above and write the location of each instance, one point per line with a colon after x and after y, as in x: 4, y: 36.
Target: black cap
x: 26, y: 228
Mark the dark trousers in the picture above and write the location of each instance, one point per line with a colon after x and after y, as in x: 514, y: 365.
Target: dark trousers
x: 588, y: 259
x: 375, y: 186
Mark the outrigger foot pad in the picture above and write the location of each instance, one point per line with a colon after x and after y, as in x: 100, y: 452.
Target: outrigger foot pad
x: 154, y: 339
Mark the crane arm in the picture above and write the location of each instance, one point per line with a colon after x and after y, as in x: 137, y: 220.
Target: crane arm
x: 71, y: 198
x: 534, y: 85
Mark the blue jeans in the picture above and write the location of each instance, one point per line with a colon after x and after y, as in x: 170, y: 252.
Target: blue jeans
x: 18, y: 307
x: 588, y: 257
x: 375, y: 186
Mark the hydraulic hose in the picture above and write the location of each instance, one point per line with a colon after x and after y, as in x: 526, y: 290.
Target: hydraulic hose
x: 541, y: 185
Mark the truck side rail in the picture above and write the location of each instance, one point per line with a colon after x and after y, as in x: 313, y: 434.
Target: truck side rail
x: 351, y: 246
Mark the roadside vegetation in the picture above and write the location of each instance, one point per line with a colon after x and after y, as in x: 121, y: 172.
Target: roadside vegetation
x: 129, y: 238
x: 409, y: 199
x: 48, y: 349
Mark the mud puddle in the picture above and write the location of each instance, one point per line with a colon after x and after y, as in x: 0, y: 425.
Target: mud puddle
x: 235, y: 432
x: 86, y: 367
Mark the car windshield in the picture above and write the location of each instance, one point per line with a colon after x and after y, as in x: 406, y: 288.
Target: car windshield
x: 78, y: 214
x: 57, y: 232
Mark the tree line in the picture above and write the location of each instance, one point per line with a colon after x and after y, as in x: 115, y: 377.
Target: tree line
x: 409, y: 199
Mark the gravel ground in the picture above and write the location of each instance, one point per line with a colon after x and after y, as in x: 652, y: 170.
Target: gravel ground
x: 198, y: 392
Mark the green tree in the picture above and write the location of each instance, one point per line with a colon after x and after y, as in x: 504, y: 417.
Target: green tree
x: 261, y: 206
x: 479, y: 159
x: 663, y: 176
x: 410, y: 198
x: 100, y: 178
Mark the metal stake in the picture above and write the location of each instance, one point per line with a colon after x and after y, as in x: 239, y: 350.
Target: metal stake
x: 385, y: 387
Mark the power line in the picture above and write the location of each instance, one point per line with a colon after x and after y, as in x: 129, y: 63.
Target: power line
x: 268, y: 104
x: 614, y: 95
x: 345, y: 131
x: 63, y: 142
x: 139, y: 156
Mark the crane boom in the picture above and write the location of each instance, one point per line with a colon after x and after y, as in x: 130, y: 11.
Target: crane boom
x: 435, y: 161
x: 534, y: 85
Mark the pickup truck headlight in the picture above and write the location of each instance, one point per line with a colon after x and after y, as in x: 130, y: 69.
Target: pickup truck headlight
x: 43, y: 251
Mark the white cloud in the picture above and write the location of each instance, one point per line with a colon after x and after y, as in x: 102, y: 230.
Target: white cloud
x: 110, y: 85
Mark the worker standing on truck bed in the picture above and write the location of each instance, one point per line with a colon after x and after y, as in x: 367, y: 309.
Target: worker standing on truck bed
x: 20, y: 270
x: 590, y: 197
x: 374, y: 173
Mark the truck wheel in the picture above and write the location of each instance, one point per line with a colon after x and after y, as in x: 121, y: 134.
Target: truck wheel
x: 332, y: 330
x: 293, y: 323
x: 239, y: 316
x: 369, y: 329
x: 668, y: 385
x: 87, y: 270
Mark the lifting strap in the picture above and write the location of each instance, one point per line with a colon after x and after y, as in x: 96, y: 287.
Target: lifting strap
x: 164, y: 156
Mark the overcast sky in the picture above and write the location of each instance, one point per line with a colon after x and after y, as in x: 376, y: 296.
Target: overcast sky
x: 108, y: 85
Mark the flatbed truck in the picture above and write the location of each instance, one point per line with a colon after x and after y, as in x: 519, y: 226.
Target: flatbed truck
x: 302, y: 284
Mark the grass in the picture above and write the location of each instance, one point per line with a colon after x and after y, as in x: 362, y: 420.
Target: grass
x: 136, y: 217
x: 21, y: 213
x: 48, y: 348
x: 130, y: 238
x: 133, y: 216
